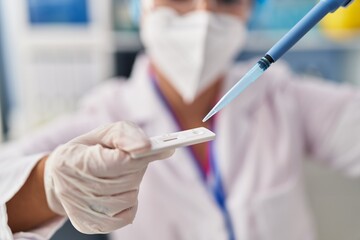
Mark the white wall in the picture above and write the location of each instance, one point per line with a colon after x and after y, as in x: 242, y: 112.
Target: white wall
x: 50, y: 67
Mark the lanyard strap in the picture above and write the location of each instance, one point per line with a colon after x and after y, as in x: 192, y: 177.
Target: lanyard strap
x: 217, y: 189
x: 210, y: 175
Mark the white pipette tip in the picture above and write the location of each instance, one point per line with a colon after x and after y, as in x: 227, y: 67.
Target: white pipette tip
x: 210, y: 114
x: 219, y: 105
x: 254, y: 73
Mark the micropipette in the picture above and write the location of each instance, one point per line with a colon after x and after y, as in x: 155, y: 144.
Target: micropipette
x: 318, y: 12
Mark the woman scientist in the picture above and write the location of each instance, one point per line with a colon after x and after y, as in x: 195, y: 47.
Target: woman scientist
x: 247, y: 184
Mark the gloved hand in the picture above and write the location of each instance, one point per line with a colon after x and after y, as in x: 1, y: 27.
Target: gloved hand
x: 93, y: 180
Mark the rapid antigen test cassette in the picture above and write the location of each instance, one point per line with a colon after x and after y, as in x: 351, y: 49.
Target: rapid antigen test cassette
x: 175, y: 140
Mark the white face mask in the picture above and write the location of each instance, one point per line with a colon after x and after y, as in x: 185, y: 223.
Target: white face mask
x: 192, y: 50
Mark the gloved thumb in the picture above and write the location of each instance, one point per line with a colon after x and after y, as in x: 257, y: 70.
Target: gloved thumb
x: 122, y: 135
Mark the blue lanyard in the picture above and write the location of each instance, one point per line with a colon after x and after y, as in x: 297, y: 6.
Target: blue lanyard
x: 212, y: 180
x: 215, y: 185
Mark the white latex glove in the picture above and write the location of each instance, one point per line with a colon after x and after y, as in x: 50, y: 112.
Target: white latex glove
x: 93, y: 180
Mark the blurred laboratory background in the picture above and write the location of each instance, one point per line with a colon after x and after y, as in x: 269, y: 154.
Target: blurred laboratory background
x: 54, y: 51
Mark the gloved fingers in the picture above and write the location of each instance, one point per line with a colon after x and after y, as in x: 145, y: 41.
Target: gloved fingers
x: 95, y: 165
x: 75, y: 202
x: 127, y: 136
x: 100, y: 223
x: 159, y: 156
x: 104, y: 162
x: 122, y: 135
x: 130, y: 165
x: 101, y: 214
x: 113, y: 167
x: 111, y: 205
x: 112, y: 163
x: 90, y: 185
x: 95, y: 161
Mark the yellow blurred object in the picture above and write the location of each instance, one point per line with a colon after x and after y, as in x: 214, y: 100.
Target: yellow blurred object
x: 344, y: 23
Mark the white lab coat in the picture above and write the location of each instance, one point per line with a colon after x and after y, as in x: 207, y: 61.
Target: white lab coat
x: 262, y: 139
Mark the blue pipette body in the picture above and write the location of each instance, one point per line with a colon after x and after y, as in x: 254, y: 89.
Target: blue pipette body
x: 318, y: 12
